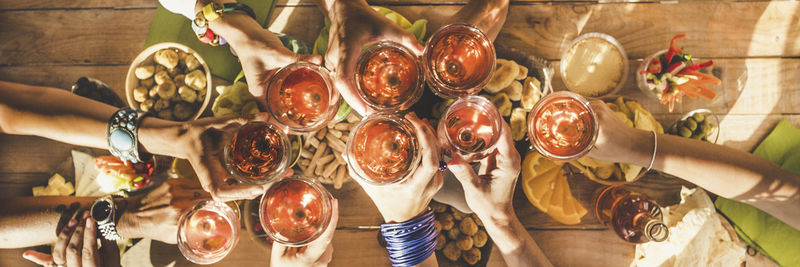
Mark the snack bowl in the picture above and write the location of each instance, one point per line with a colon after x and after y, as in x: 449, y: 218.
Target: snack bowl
x: 567, y: 54
x: 147, y: 58
x: 705, y: 116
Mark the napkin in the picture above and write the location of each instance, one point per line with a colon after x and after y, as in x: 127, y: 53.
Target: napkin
x: 770, y: 236
x: 171, y: 27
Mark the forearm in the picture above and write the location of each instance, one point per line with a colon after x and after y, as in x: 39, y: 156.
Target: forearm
x: 33, y: 221
x: 488, y: 15
x: 514, y: 242
x: 726, y: 172
x: 65, y: 117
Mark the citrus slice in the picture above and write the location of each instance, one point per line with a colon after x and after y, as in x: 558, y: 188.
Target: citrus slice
x: 547, y: 188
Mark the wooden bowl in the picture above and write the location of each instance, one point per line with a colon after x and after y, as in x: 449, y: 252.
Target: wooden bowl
x: 147, y: 56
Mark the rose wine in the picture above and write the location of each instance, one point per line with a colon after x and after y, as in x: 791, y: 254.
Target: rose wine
x: 383, y: 149
x: 208, y: 232
x: 459, y: 60
x: 471, y: 127
x: 300, y: 96
x: 388, y: 76
x: 295, y: 211
x: 634, y: 217
x: 562, y: 126
x: 258, y: 152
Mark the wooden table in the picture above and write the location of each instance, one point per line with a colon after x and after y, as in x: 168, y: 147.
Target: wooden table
x: 755, y: 46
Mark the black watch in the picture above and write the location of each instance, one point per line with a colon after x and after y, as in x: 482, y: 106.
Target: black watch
x: 106, y: 213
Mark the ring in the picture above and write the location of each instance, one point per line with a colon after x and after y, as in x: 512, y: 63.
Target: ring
x: 442, y: 166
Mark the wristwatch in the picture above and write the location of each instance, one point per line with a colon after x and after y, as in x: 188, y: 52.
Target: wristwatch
x: 106, y: 213
x: 123, y: 136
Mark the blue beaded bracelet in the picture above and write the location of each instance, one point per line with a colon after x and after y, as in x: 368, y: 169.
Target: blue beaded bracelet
x: 411, y: 242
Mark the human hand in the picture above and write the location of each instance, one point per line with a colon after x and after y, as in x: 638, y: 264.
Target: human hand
x: 489, y: 192
x: 617, y: 142
x: 156, y: 214
x: 353, y: 26
x: 203, y: 142
x: 77, y: 246
x: 259, y: 50
x: 487, y: 15
x: 405, y: 200
x: 316, y: 253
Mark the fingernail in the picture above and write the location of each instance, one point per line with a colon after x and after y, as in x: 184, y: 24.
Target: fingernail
x: 72, y: 222
x: 89, y: 223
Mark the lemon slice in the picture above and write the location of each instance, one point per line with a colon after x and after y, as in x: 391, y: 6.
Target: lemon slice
x: 547, y: 188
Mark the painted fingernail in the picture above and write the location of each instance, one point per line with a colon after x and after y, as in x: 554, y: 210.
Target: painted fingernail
x: 72, y: 222
x: 89, y: 223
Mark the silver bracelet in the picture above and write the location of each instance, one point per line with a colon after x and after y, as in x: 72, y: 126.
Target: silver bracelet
x: 655, y: 148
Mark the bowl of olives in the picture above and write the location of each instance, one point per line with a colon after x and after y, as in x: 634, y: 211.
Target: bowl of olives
x: 700, y: 124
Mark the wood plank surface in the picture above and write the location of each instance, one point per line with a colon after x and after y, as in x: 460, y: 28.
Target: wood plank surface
x: 762, y: 29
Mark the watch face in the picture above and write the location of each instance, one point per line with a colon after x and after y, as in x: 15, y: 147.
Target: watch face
x: 101, y: 210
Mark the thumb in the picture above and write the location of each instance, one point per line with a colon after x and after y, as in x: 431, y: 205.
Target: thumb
x: 38, y: 257
x: 463, y: 172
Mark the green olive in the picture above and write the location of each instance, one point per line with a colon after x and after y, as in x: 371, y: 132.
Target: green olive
x: 685, y: 132
x: 699, y: 117
x: 691, y: 124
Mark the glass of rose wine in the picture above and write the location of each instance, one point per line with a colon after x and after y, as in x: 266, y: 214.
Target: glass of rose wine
x: 301, y: 97
x: 208, y: 232
x: 383, y: 149
x: 562, y: 126
x: 459, y: 60
x: 470, y: 127
x: 389, y: 76
x: 295, y: 210
x: 258, y: 153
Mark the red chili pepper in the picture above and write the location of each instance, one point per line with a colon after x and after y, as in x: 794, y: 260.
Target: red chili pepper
x: 698, y: 66
x: 675, y: 68
x: 672, y: 51
x: 655, y: 66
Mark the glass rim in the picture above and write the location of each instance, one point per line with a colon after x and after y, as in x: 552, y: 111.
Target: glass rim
x: 227, y: 212
x: 404, y: 125
x: 608, y: 38
x: 326, y: 205
x: 478, y: 101
x: 283, y: 165
x: 533, y: 138
x: 334, y: 98
x: 433, y: 79
x: 416, y: 90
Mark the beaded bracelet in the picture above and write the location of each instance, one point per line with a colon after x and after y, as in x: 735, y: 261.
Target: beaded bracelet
x: 411, y: 242
x: 211, y: 12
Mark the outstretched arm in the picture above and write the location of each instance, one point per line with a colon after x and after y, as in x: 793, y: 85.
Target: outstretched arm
x: 489, y: 193
x: 724, y: 171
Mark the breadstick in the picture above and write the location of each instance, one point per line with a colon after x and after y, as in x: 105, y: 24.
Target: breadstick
x: 339, y: 179
x: 321, y: 133
x: 320, y: 151
x: 323, y: 160
x: 313, y: 142
x: 330, y: 169
x: 309, y: 170
x: 351, y: 118
x: 335, y: 143
x: 336, y: 133
x: 304, y: 153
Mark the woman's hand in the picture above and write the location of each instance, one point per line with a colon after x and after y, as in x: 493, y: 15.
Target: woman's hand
x: 488, y: 15
x: 77, y: 246
x: 407, y: 199
x: 316, y: 253
x: 617, y: 142
x: 355, y: 25
x: 202, y: 142
x: 259, y: 50
x: 156, y: 214
x: 489, y: 192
